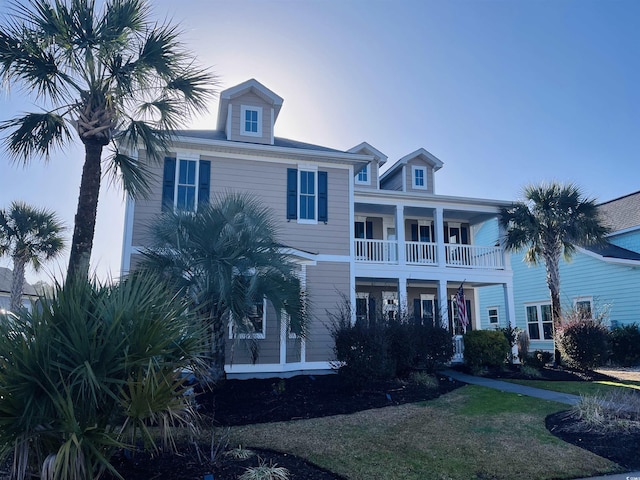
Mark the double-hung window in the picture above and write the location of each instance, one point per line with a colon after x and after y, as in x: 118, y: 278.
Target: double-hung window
x: 185, y: 182
x: 539, y: 321
x: 251, y: 121
x: 254, y: 324
x: 419, y: 177
x: 493, y: 313
x: 307, y: 195
x: 363, y: 176
x: 186, y: 188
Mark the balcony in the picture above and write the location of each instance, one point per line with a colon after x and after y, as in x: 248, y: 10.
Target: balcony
x: 426, y: 253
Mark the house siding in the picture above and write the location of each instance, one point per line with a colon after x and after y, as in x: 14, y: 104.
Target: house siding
x: 250, y: 99
x: 373, y: 178
x: 409, y: 179
x: 630, y: 241
x: 393, y: 181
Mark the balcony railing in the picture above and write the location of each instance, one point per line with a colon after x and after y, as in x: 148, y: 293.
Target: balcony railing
x: 472, y: 256
x: 425, y: 253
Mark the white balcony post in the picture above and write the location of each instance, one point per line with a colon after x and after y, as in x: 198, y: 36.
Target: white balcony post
x: 402, y: 295
x: 443, y: 303
x: 440, y: 247
x: 400, y: 235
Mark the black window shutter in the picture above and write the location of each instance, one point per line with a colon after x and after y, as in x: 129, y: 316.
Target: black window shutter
x: 204, y: 181
x: 168, y: 183
x: 369, y: 229
x: 323, y: 197
x: 414, y: 232
x: 292, y: 193
x: 437, y: 320
x: 372, y: 309
x: 417, y: 316
x: 464, y: 235
x: 469, y: 319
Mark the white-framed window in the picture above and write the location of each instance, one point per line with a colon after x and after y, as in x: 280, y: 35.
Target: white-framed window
x: 539, y: 321
x: 390, y: 305
x: 251, y: 121
x: 584, y: 307
x: 362, y: 306
x: 494, y: 315
x: 185, y: 194
x: 427, y: 308
x: 419, y: 177
x: 254, y: 325
x: 308, y: 195
x: 363, y: 176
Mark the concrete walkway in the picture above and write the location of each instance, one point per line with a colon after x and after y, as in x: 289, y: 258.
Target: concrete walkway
x: 537, y: 393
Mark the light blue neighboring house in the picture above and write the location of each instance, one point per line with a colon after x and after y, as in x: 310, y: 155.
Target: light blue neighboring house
x: 597, y: 278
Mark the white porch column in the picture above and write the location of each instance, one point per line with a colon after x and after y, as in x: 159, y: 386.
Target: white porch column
x: 402, y: 250
x: 402, y: 296
x: 510, y: 309
x: 443, y: 303
x: 440, y: 237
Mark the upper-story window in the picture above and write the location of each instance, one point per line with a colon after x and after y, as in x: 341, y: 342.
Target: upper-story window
x: 363, y: 176
x: 419, y: 177
x: 583, y: 306
x: 307, y: 194
x: 185, y: 182
x: 251, y: 121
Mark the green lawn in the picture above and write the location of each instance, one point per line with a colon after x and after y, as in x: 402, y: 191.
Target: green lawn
x: 580, y: 388
x: 472, y: 432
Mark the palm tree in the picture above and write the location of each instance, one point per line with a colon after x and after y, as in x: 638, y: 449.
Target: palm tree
x: 226, y: 258
x: 550, y: 222
x: 113, y: 77
x: 28, y: 235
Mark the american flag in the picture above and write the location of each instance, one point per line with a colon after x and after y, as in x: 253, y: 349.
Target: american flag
x: 462, y: 306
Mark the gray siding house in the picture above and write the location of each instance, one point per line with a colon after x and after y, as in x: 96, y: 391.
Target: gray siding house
x: 385, y: 240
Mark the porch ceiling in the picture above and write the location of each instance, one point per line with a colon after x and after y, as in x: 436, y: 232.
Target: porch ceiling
x: 463, y: 216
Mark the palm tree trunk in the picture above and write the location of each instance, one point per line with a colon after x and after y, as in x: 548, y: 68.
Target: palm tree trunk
x: 17, y: 283
x: 218, y: 348
x: 85, y: 220
x: 553, y: 282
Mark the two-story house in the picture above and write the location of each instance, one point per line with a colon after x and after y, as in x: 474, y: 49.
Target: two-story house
x: 386, y: 241
x: 598, y: 280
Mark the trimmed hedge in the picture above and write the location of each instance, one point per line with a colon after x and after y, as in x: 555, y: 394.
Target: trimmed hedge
x: 485, y: 348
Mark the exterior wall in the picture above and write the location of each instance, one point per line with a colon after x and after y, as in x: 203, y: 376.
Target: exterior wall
x: 268, y: 347
x: 373, y: 177
x: 630, y: 240
x: 250, y: 99
x: 409, y: 179
x: 393, y: 181
x: 326, y: 281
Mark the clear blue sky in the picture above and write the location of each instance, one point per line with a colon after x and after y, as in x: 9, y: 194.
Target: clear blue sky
x: 505, y: 93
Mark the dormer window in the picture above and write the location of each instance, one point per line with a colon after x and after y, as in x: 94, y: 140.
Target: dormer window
x: 419, y: 177
x: 363, y: 176
x: 251, y: 121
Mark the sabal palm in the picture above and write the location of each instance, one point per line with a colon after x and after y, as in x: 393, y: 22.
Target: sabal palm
x: 28, y: 235
x: 114, y: 77
x: 549, y: 223
x: 226, y: 257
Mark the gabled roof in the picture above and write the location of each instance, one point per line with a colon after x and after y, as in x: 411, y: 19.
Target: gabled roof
x: 6, y: 279
x: 610, y: 253
x: 421, y: 153
x: 622, y: 213
x: 369, y: 149
x: 252, y: 86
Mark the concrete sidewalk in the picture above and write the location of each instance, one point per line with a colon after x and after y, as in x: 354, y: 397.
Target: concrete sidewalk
x: 537, y: 393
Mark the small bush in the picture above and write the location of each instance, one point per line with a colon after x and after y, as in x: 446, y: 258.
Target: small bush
x: 530, y: 372
x: 511, y: 334
x: 616, y: 411
x: 583, y: 344
x: 538, y: 359
x: 625, y: 345
x: 432, y: 345
x: 424, y: 379
x: 265, y: 472
x: 523, y: 343
x: 485, y: 348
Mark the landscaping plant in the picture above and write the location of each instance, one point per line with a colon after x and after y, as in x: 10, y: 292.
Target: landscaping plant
x: 583, y: 343
x: 89, y: 372
x: 485, y: 348
x: 625, y: 345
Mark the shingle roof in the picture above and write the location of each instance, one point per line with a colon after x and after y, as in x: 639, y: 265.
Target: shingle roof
x: 6, y: 278
x: 613, y: 251
x: 621, y: 213
x: 277, y: 141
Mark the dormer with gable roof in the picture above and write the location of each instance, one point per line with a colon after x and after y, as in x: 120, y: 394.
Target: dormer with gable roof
x: 369, y: 176
x: 412, y: 173
x: 248, y: 112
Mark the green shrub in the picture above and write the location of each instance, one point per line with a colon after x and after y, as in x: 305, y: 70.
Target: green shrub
x: 625, y: 345
x: 432, y: 346
x: 485, y: 348
x: 89, y: 372
x: 537, y: 359
x: 583, y: 343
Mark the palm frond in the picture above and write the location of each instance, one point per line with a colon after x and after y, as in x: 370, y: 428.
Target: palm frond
x: 35, y: 134
x: 129, y: 172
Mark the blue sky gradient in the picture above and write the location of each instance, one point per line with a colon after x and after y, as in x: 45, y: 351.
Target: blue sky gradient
x: 505, y: 93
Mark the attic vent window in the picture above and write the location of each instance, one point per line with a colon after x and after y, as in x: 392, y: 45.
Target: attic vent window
x: 251, y: 121
x: 419, y: 177
x: 363, y: 176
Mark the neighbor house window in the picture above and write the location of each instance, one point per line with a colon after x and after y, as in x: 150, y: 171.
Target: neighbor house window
x: 307, y: 195
x: 185, y: 182
x: 539, y: 321
x: 363, y: 176
x: 493, y: 315
x: 419, y: 177
x: 254, y: 324
x: 186, y: 187
x: 251, y: 121
x: 583, y: 307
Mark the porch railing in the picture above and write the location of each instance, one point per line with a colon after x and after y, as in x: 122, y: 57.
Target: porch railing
x: 472, y: 256
x: 422, y: 253
x: 376, y: 251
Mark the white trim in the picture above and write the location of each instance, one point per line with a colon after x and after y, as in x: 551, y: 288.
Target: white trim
x: 367, y: 172
x: 352, y: 247
x: 497, y: 309
x: 539, y: 322
x: 187, y: 157
x: 277, y: 367
x: 273, y: 121
x: 404, y: 178
x: 127, y: 236
x: 250, y: 108
x: 418, y: 168
x: 229, y: 121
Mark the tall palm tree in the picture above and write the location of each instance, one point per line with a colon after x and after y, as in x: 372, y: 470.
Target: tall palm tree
x: 226, y: 258
x: 112, y: 77
x: 549, y: 223
x: 28, y: 235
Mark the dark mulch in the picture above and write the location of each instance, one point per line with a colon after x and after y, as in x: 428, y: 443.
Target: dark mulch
x: 242, y: 402
x: 620, y: 447
x: 554, y: 374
